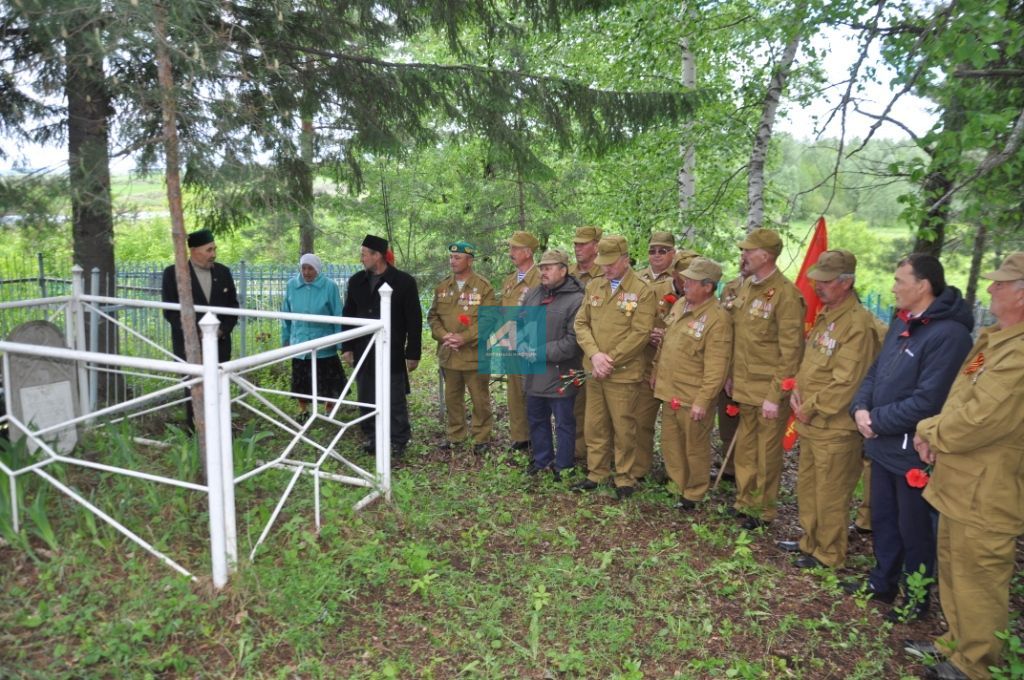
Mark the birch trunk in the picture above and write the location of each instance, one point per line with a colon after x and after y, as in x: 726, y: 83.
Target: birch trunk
x: 685, y: 179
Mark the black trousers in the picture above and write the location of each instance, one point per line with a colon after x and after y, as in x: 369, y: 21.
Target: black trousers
x: 401, y: 431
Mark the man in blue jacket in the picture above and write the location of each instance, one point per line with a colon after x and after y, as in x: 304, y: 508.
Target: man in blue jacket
x: 927, y: 341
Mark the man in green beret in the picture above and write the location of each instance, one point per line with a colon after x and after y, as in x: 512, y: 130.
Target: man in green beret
x: 584, y: 244
x: 769, y: 341
x: 612, y: 327
x: 513, y: 289
x: 453, y: 324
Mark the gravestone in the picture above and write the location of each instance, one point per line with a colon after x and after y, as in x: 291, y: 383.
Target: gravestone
x: 42, y: 391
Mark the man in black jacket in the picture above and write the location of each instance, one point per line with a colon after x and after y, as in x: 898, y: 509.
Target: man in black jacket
x: 212, y: 286
x: 362, y: 300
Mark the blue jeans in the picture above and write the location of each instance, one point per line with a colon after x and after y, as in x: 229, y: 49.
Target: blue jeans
x: 903, y: 530
x: 538, y: 413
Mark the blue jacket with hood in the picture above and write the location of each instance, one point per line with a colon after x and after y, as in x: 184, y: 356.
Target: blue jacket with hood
x: 911, y: 377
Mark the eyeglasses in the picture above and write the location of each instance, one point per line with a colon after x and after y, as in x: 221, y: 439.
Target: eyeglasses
x: 658, y: 251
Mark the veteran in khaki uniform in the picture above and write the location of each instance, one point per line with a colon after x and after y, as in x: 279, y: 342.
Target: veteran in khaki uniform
x: 976, y: 444
x: 768, y: 327
x: 690, y: 368
x: 513, y: 290
x: 840, y: 348
x: 453, y: 323
x: 612, y: 327
x: 668, y: 287
x: 584, y: 244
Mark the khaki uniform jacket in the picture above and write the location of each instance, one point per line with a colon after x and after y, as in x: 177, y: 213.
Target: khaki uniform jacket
x: 585, y: 277
x: 648, y: 275
x: 729, y: 292
x: 693, y: 360
x: 448, y: 305
x: 978, y: 437
x: 514, y: 291
x: 840, y: 349
x: 662, y: 287
x: 618, y: 324
x: 768, y: 328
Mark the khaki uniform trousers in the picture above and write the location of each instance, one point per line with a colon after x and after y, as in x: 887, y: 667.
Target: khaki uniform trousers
x: 975, y: 567
x: 611, y: 431
x: 830, y: 465
x: 727, y: 426
x: 646, y: 416
x: 579, y: 410
x: 686, y: 448
x: 758, y: 456
x: 456, y: 383
x: 518, y: 427
x: 863, y: 519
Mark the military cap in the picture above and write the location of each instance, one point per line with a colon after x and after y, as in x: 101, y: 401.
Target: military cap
x: 831, y: 264
x: 682, y: 259
x: 463, y: 247
x: 662, y: 238
x: 554, y: 256
x: 702, y: 268
x: 587, y: 234
x: 765, y: 239
x: 610, y: 249
x: 524, y: 239
x: 200, y: 238
x: 1012, y: 269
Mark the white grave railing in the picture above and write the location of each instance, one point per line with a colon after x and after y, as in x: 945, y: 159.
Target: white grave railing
x: 217, y: 380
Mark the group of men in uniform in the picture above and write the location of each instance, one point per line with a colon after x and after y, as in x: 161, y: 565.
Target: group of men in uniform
x: 658, y: 339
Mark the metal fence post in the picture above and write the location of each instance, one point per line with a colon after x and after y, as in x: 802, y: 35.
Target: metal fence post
x: 382, y: 356
x: 214, y: 465
x: 241, y: 303
x: 42, y: 276
x: 94, y: 338
x: 76, y: 334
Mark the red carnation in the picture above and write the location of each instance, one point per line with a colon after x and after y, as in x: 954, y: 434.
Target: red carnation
x: 670, y: 299
x: 732, y: 410
x: 464, y: 319
x: 675, y: 404
x: 917, y: 478
x: 788, y: 384
x: 560, y: 390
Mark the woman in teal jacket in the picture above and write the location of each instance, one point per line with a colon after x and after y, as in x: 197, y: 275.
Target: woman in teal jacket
x: 310, y: 292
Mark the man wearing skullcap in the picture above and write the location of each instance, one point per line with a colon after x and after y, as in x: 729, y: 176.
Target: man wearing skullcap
x: 976, y: 445
x: 768, y: 335
x: 212, y: 286
x: 453, y: 321
x: 362, y: 301
x: 513, y: 290
x: 840, y: 348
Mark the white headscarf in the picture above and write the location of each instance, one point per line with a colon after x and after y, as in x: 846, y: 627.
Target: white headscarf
x: 312, y: 260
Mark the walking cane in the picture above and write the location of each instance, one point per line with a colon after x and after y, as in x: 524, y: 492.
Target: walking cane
x: 725, y: 460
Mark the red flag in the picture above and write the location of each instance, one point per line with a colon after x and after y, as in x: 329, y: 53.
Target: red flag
x: 818, y: 245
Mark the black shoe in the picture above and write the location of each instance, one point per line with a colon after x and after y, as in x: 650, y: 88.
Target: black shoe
x: 906, y: 612
x: 788, y: 546
x: 922, y: 649
x: 623, y: 492
x: 854, y: 529
x: 520, y: 446
x: 584, y: 485
x: 370, y: 447
x: 733, y: 512
x: 865, y: 588
x: 533, y: 470
x: 444, y: 446
x: 480, y: 449
x: 945, y: 671
x: 685, y: 504
x: 398, y: 451
x: 808, y: 562
x: 752, y: 523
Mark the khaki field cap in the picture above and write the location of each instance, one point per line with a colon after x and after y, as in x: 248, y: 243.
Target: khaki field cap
x: 663, y: 238
x: 524, y: 239
x: 554, y: 256
x: 1012, y: 269
x: 587, y: 234
x: 702, y: 268
x: 765, y: 239
x: 682, y: 260
x: 831, y: 264
x: 610, y: 249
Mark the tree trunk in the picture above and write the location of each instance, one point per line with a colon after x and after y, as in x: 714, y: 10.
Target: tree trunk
x: 307, y: 227
x: 685, y: 179
x: 521, y: 199
x: 931, y: 234
x: 92, y: 219
x: 977, y: 254
x: 168, y: 106
x: 755, y: 180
